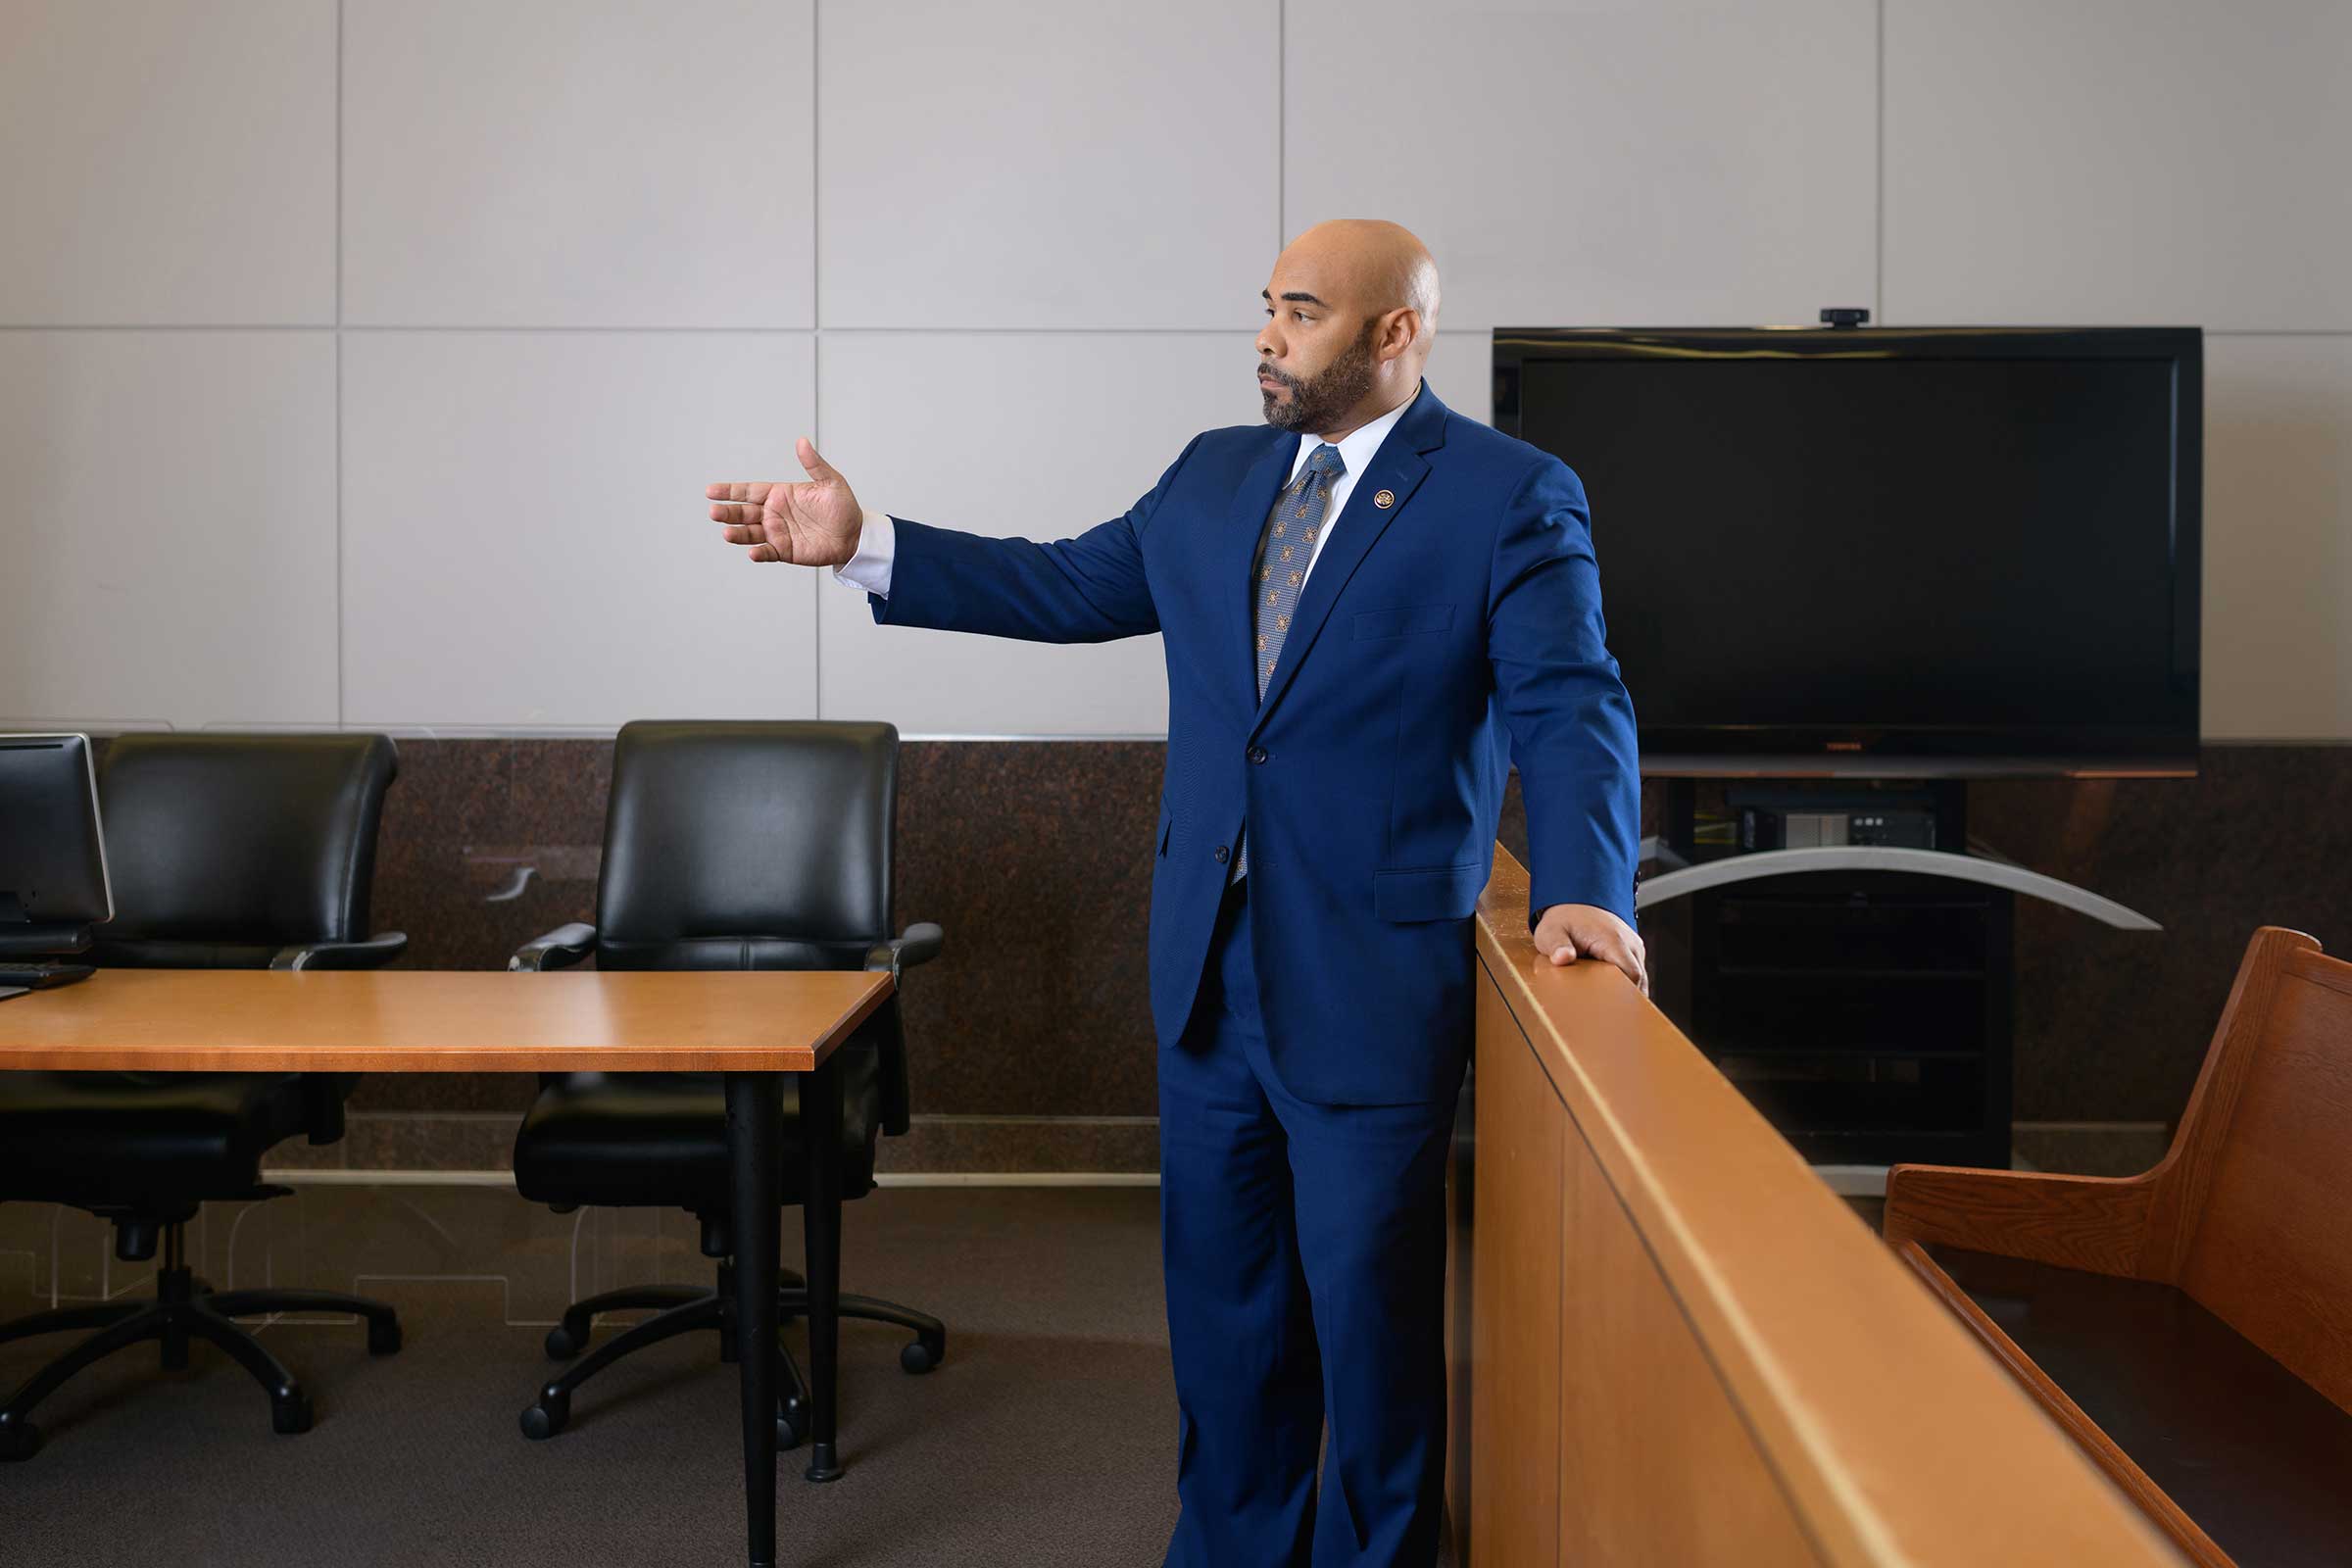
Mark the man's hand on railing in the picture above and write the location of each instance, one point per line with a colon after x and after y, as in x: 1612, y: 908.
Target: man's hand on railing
x: 1568, y: 932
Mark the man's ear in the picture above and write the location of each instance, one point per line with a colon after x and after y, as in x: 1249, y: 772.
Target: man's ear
x: 1398, y: 330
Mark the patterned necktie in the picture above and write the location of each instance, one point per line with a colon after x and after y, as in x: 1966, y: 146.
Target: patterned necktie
x: 1284, y: 551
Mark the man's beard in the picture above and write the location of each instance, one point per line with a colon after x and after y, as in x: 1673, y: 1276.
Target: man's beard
x: 1318, y: 402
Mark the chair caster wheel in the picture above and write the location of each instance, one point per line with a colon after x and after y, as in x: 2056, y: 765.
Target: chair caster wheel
x: 290, y: 1415
x: 18, y: 1439
x: 562, y: 1345
x: 546, y: 1418
x: 918, y: 1356
x: 791, y: 1432
x: 384, y: 1336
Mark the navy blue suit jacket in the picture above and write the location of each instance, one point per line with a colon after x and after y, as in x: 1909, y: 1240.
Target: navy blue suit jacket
x: 1439, y: 638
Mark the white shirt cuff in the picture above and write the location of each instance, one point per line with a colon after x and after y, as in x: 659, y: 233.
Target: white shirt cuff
x: 877, y: 548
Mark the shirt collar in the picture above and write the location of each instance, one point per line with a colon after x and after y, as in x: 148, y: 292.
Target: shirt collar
x: 1356, y: 449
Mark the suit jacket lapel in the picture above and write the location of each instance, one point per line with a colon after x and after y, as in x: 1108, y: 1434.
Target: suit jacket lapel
x: 1398, y: 467
x: 1238, y: 551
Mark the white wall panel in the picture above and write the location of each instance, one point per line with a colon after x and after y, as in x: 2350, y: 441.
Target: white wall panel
x: 168, y: 527
x: 1025, y: 226
x: 2279, y: 537
x: 557, y: 163
x: 526, y: 542
x: 1594, y: 161
x: 1027, y: 435
x: 1461, y: 371
x: 2119, y: 161
x: 167, y: 162
x: 1058, y: 164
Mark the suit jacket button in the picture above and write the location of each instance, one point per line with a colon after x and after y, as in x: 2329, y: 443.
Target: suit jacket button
x: 1257, y: 753
x: 1223, y: 854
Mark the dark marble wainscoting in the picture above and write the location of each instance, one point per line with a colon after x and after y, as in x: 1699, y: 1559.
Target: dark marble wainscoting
x: 1031, y: 1036
x: 2113, y: 1025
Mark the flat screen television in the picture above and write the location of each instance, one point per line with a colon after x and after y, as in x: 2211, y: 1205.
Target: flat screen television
x: 1887, y: 551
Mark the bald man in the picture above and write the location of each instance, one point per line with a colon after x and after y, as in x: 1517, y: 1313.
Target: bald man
x: 1370, y: 606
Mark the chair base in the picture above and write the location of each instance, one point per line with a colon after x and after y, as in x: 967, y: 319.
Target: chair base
x: 685, y: 1309
x: 919, y: 1356
x: 184, y: 1309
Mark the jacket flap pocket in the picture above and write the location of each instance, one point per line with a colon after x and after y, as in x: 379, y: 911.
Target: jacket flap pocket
x: 1440, y: 893
x: 1403, y: 621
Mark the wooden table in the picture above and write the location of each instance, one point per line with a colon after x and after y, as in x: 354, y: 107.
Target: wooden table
x: 754, y: 1027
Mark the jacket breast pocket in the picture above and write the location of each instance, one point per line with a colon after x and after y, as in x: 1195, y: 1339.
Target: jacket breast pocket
x: 1403, y: 621
x: 1436, y: 893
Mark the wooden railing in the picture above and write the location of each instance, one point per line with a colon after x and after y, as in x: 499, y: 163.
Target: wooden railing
x: 1673, y: 1345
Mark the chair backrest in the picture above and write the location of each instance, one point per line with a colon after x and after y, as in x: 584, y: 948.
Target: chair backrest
x: 747, y: 845
x: 759, y: 846
x: 2262, y: 1164
x: 225, y: 849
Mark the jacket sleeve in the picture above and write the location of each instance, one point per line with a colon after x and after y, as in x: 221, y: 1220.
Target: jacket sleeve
x: 1570, y: 719
x: 1083, y: 590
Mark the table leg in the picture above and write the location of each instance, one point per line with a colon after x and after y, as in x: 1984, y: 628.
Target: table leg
x: 754, y: 1110
x: 820, y: 1122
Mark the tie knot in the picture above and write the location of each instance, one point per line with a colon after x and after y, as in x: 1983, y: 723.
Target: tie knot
x: 1325, y: 462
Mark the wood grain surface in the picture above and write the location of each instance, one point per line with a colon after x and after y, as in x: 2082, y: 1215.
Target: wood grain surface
x: 2248, y: 1210
x: 2245, y: 1215
x: 1516, y: 1268
x: 1747, y: 1369
x: 2187, y: 1533
x: 422, y: 1020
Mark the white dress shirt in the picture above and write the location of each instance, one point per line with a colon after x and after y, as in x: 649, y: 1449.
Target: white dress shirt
x: 877, y: 540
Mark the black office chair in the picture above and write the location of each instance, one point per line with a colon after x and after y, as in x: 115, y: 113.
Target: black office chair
x: 225, y: 852
x: 727, y: 846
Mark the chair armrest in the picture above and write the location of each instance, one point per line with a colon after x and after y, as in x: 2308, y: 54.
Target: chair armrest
x: 2097, y: 1223
x: 920, y: 944
x: 372, y: 954
x: 560, y: 948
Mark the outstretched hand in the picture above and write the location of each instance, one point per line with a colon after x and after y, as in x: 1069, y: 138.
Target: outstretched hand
x: 1568, y: 932
x: 816, y: 523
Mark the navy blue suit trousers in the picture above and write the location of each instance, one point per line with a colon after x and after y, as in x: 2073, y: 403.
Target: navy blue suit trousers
x: 1305, y: 1248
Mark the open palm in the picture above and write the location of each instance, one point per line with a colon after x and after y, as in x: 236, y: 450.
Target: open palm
x: 811, y: 524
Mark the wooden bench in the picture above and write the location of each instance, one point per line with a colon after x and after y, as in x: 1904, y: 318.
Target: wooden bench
x: 2190, y: 1327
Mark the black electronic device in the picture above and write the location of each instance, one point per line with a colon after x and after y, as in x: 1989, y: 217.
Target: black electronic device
x: 42, y: 976
x: 1777, y: 819
x: 53, y: 881
x: 1900, y: 551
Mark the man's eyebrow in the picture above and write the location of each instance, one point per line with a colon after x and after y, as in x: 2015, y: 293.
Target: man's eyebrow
x: 1298, y: 294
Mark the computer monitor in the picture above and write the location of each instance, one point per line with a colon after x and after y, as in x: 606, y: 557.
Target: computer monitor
x: 53, y: 883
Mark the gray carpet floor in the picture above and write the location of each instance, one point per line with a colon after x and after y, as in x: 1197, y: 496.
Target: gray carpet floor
x: 1047, y: 1438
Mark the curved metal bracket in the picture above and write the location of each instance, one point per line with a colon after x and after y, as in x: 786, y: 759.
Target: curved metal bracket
x: 1881, y: 857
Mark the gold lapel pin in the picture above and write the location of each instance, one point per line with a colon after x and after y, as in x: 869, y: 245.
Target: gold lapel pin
x: 1384, y: 500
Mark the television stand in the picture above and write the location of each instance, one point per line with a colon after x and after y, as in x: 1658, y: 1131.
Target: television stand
x: 1960, y: 865
x: 1859, y: 994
